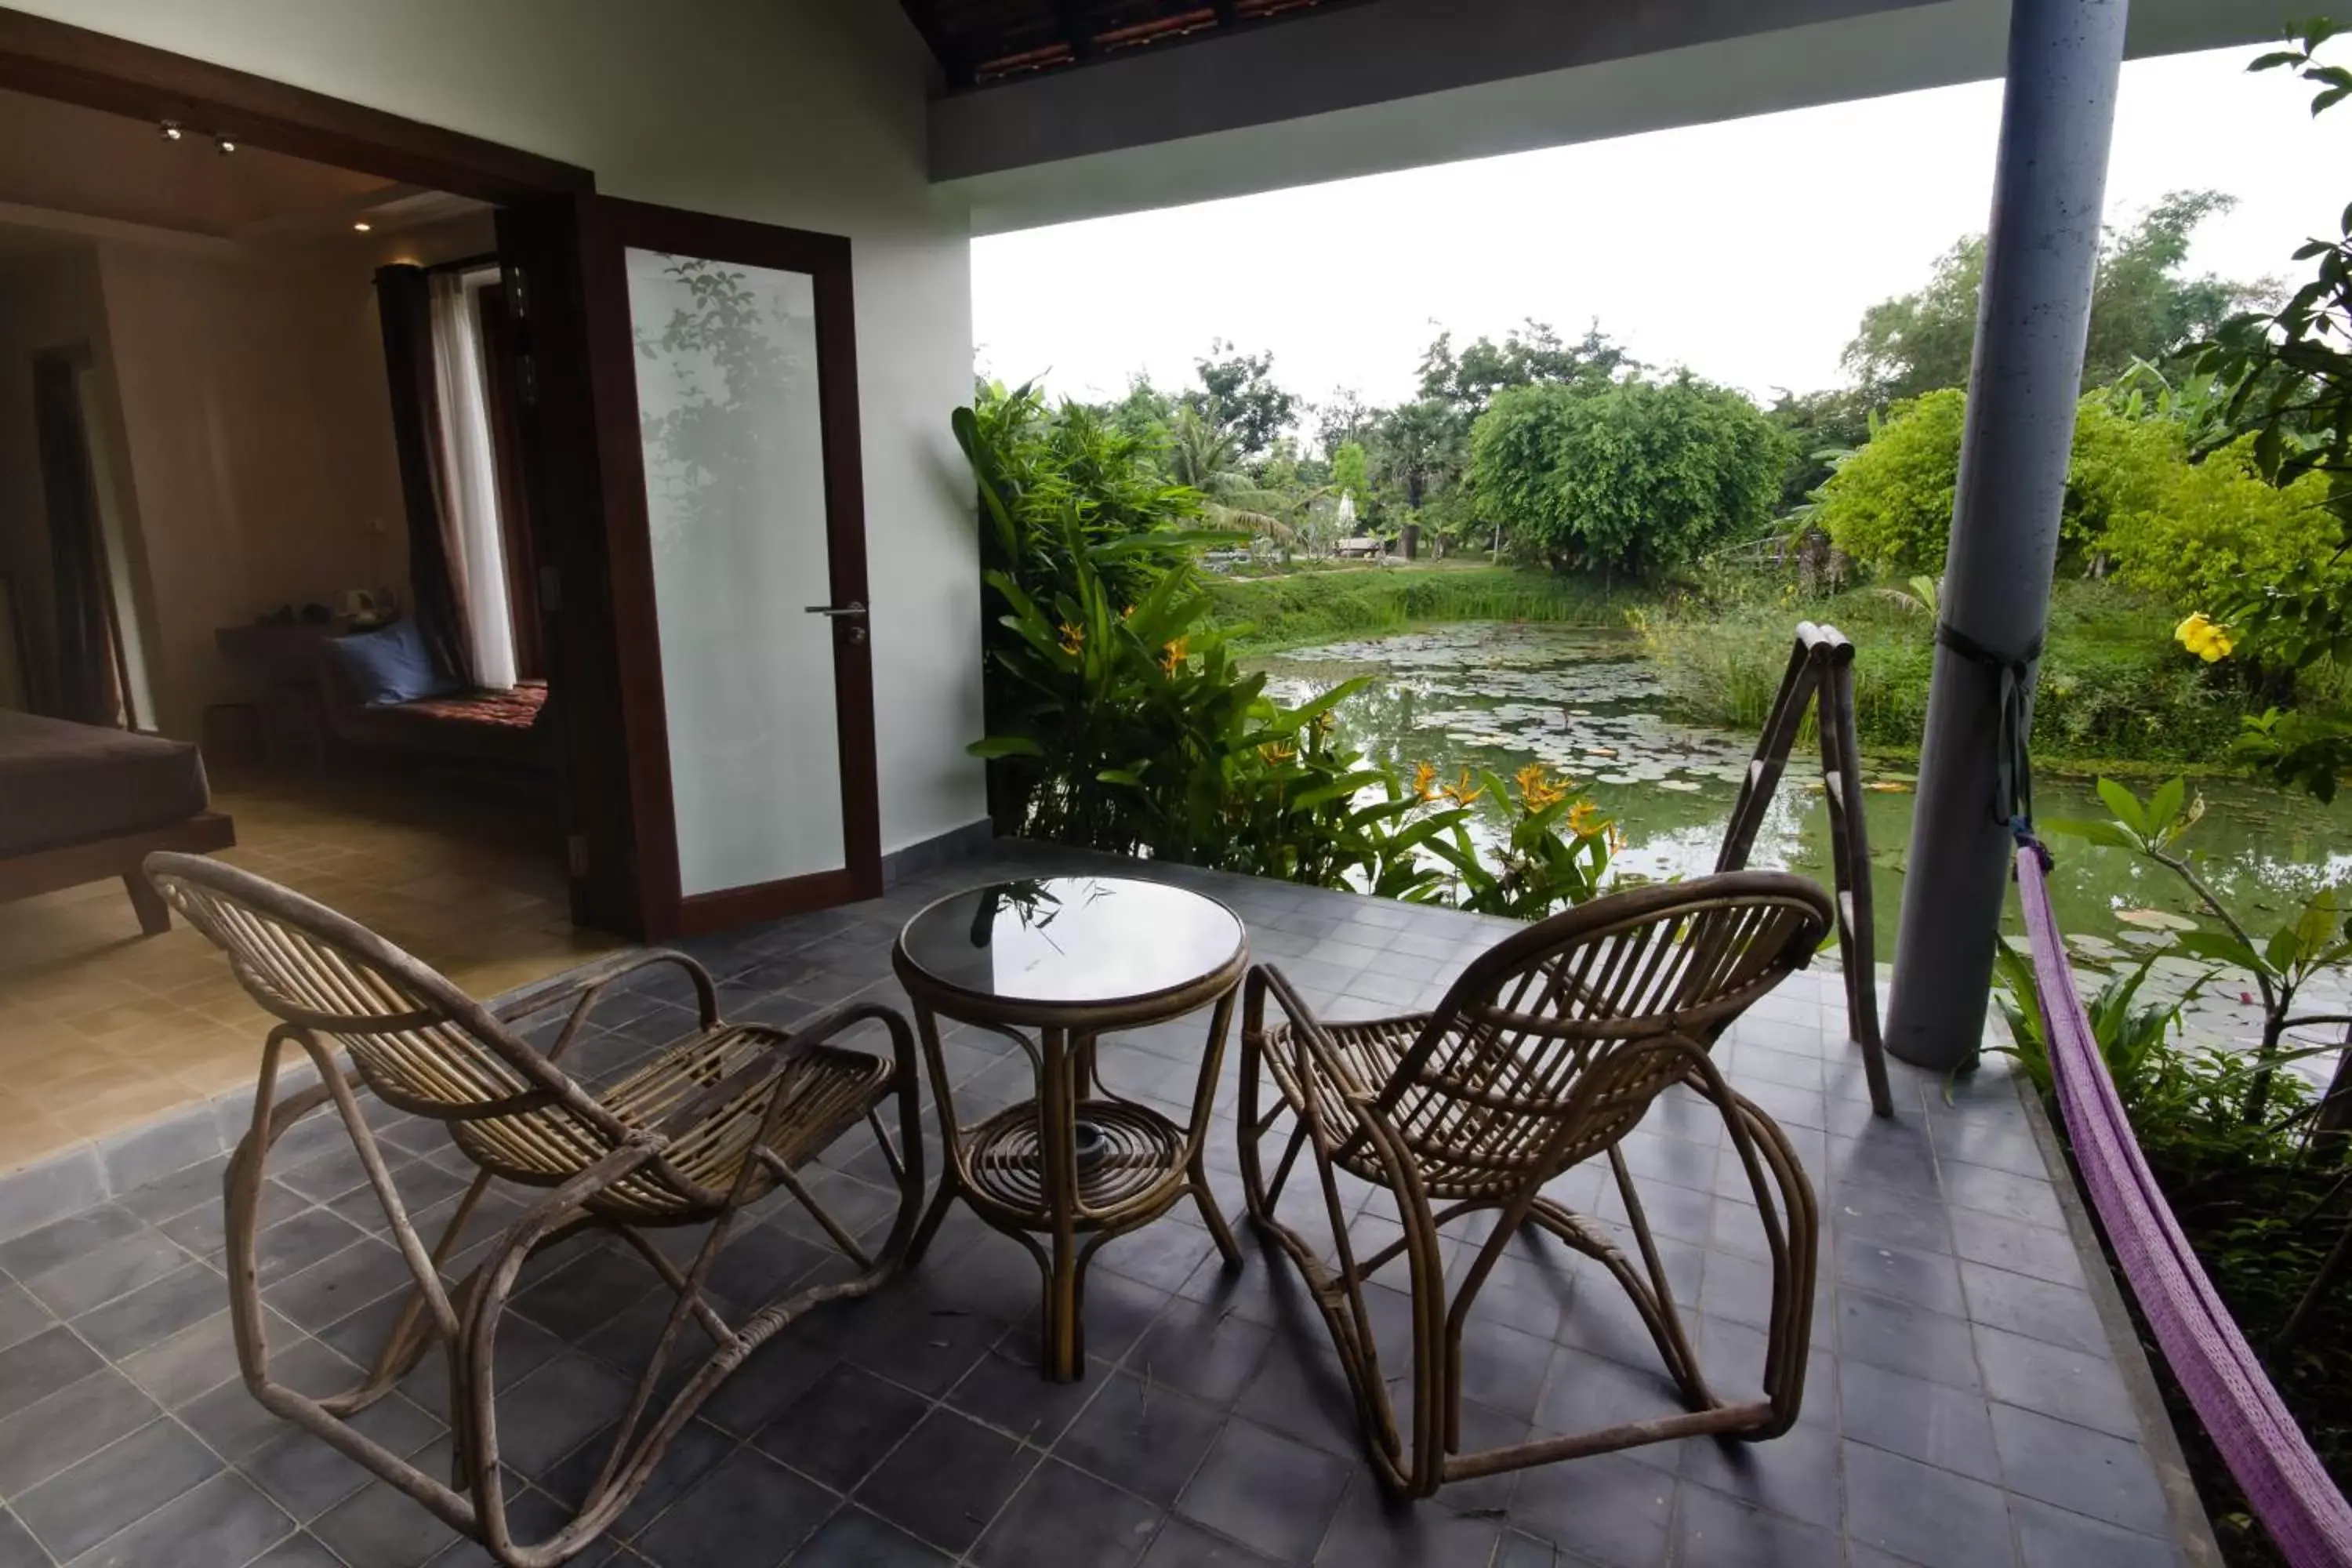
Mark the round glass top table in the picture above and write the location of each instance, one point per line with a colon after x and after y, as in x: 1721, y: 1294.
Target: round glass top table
x: 1053, y: 962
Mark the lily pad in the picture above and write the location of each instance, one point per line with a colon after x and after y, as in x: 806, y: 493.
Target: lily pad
x: 1681, y: 786
x: 2156, y: 920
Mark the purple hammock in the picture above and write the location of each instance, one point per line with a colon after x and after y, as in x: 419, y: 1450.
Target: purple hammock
x: 2306, y: 1515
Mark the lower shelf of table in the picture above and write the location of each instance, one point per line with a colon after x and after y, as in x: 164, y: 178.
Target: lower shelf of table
x: 1145, y: 1154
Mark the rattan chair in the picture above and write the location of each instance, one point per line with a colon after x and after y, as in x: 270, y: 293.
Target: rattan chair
x: 714, y: 1122
x: 1546, y: 1052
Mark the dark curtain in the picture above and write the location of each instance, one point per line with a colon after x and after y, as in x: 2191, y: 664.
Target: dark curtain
x: 404, y: 303
x: 86, y: 688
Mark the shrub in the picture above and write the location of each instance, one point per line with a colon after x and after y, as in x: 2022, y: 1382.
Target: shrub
x: 2216, y: 528
x: 2193, y: 534
x: 1890, y: 504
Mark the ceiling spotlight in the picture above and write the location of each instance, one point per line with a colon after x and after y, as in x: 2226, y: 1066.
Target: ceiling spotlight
x: 362, y: 227
x: 226, y: 142
x: 171, y: 131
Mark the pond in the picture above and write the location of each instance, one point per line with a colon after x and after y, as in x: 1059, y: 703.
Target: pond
x: 1587, y: 704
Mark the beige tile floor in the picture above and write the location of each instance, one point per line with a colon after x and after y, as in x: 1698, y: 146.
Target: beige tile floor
x: 103, y: 1028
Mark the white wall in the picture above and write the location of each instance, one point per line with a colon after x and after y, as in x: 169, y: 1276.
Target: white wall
x: 258, y: 441
x: 808, y: 112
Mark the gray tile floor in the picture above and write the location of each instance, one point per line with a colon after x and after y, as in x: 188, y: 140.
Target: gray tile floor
x: 1963, y: 1406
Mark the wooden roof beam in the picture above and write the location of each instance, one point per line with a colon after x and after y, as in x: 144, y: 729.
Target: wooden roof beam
x: 1075, y: 26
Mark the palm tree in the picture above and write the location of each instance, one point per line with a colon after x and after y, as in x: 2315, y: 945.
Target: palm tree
x: 1207, y: 458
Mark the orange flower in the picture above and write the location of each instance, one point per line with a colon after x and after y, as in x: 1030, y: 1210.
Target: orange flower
x: 1275, y: 752
x: 1173, y: 654
x: 1425, y: 781
x: 1073, y: 637
x: 1464, y: 791
x: 1584, y: 819
x: 1536, y: 790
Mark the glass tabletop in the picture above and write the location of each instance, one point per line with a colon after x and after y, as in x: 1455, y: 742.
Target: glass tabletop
x: 1072, y: 939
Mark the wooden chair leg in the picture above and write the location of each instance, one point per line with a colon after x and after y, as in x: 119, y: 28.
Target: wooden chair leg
x: 154, y: 914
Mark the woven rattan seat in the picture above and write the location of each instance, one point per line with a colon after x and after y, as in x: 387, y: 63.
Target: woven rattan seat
x: 711, y: 1123
x: 1546, y: 1053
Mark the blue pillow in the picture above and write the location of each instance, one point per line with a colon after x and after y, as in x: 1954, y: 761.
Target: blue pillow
x: 390, y: 665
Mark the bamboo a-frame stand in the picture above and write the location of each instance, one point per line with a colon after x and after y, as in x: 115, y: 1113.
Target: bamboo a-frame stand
x: 1820, y: 674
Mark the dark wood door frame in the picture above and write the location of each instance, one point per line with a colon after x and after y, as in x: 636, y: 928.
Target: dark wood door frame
x: 98, y: 70
x: 611, y: 227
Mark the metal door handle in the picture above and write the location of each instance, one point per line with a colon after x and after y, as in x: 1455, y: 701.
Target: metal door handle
x: 853, y: 611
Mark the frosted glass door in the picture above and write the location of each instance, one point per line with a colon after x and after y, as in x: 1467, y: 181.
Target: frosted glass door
x: 735, y: 498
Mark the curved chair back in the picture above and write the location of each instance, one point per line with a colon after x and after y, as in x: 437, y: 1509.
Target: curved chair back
x: 420, y: 1043
x: 1552, y: 1043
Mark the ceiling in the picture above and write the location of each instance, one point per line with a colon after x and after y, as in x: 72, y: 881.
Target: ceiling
x: 982, y: 41
x: 75, y: 170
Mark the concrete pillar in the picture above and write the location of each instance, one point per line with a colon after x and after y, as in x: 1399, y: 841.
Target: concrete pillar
x: 2041, y: 250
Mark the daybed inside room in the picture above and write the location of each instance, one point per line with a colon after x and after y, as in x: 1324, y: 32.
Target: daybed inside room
x: 80, y: 803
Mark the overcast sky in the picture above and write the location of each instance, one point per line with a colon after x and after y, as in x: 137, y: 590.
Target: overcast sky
x: 1747, y: 251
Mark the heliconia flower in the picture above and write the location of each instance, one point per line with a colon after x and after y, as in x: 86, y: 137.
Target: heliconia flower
x: 1583, y: 819
x: 1425, y: 781
x: 1074, y: 636
x: 1173, y: 653
x: 1464, y: 791
x: 1536, y: 789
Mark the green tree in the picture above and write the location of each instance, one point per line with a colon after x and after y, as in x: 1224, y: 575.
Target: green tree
x: 2289, y: 380
x: 1640, y: 477
x: 1238, y: 395
x: 1205, y: 457
x: 2142, y: 307
x: 1822, y: 427
x: 1145, y: 413
x: 1419, y: 446
x: 1529, y: 354
x: 1344, y: 417
x: 1351, y: 472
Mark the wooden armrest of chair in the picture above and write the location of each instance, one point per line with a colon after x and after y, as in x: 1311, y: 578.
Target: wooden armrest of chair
x: 586, y: 982
x: 1306, y: 1029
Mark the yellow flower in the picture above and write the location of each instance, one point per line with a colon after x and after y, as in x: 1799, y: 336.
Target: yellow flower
x: 1583, y: 819
x: 1425, y: 781
x: 1464, y: 791
x: 1074, y: 636
x: 1616, y: 839
x: 1127, y: 614
x: 1275, y: 752
x: 1173, y: 654
x: 2202, y: 637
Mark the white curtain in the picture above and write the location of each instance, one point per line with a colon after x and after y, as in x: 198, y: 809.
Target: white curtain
x: 479, y: 560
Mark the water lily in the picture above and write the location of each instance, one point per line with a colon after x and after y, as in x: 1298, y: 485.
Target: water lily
x: 1073, y: 637
x: 2203, y: 637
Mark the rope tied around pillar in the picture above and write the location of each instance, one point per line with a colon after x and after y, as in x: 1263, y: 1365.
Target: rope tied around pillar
x: 2012, y: 804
